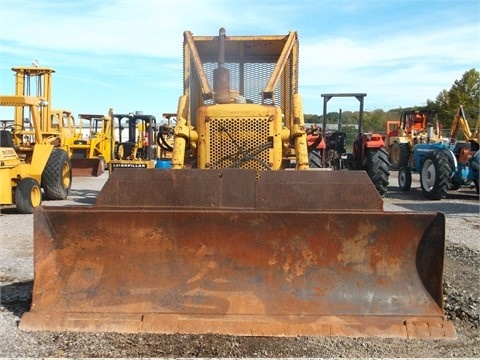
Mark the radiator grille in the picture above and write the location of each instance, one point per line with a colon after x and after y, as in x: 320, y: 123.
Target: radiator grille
x: 243, y: 143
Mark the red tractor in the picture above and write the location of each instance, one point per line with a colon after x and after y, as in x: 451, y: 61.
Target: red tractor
x: 368, y: 150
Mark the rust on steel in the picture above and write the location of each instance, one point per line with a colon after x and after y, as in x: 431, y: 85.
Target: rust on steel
x: 253, y: 260
x: 241, y: 188
x: 87, y: 167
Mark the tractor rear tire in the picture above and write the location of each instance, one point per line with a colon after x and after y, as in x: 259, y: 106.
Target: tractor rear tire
x: 57, y: 176
x: 377, y: 167
x: 435, y: 175
x: 315, y: 159
x: 399, y: 155
x: 405, y: 178
x: 28, y: 195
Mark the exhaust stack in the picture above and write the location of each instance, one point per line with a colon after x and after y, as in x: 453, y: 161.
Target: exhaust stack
x: 221, y: 75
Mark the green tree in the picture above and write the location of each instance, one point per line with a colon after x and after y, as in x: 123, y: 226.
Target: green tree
x: 465, y: 91
x: 374, y: 121
x: 311, y: 118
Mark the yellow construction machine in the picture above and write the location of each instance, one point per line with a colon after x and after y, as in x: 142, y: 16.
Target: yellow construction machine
x: 239, y: 236
x: 460, y: 122
x: 58, y: 125
x: 466, y: 152
x: 417, y: 126
x: 62, y: 125
x: 90, y: 155
x: 136, y: 149
x: 29, y: 159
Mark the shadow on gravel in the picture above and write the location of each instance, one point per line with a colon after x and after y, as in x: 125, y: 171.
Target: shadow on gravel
x: 463, y: 195
x: 462, y: 201
x: 446, y: 208
x: 9, y: 210
x: 84, y: 196
x: 397, y: 193
x: 80, y: 196
x: 17, y: 297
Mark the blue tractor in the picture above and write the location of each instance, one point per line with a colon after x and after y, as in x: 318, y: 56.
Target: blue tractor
x: 444, y: 166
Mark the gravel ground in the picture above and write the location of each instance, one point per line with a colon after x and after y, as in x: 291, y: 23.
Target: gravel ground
x: 461, y: 293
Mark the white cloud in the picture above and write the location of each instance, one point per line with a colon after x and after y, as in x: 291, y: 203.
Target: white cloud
x: 399, y: 70
x: 399, y: 52
x: 146, y: 28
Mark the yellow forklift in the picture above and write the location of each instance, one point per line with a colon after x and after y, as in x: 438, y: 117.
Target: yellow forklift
x: 136, y: 149
x: 30, y: 163
x: 33, y: 155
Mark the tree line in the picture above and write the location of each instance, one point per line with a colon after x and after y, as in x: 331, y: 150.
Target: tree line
x: 464, y: 91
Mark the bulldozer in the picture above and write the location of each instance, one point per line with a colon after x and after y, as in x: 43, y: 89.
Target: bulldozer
x: 90, y: 156
x: 239, y: 236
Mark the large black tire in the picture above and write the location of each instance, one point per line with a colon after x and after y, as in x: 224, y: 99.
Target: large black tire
x: 435, y: 175
x: 315, y: 159
x: 399, y: 155
x: 57, y: 176
x: 377, y: 167
x: 405, y: 178
x: 28, y: 195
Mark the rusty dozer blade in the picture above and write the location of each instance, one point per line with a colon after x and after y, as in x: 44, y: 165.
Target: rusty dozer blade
x: 87, y: 167
x: 246, y: 257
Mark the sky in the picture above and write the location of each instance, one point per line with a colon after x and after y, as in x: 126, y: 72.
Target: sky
x: 127, y: 54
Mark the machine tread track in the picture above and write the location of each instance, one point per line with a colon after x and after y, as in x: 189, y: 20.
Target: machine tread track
x: 377, y: 166
x: 57, y: 176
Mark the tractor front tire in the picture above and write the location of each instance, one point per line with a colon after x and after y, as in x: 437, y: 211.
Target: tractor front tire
x: 405, y: 178
x: 399, y: 155
x: 435, y: 175
x: 377, y: 167
x: 57, y: 176
x: 28, y: 195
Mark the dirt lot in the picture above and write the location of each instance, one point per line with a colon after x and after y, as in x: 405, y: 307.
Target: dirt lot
x: 461, y: 294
